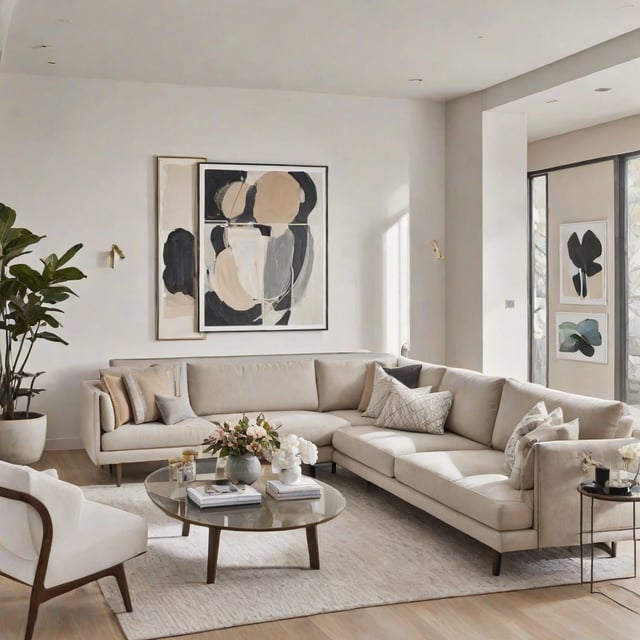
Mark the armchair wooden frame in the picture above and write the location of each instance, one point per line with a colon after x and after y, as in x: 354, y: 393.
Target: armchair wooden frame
x: 40, y: 593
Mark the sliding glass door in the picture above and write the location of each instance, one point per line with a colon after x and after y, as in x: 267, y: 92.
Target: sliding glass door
x: 631, y: 373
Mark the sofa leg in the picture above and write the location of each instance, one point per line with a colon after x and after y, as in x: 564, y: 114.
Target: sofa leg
x: 333, y: 467
x: 119, y: 474
x: 611, y: 549
x: 497, y: 563
x: 312, y: 470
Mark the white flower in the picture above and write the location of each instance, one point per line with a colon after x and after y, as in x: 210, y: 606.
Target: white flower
x: 257, y: 432
x: 630, y: 451
x: 294, y: 450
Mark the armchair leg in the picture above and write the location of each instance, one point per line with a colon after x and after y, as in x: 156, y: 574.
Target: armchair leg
x: 119, y: 574
x: 333, y: 467
x: 119, y: 474
x: 497, y: 563
x: 34, y: 604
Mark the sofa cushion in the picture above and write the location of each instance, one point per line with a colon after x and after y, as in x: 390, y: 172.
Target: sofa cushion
x: 598, y: 418
x: 311, y: 425
x: 174, y: 409
x: 121, y: 406
x: 383, y: 383
x: 143, y: 386
x: 341, y: 382
x: 476, y: 398
x: 532, y: 419
x: 430, y: 374
x: 471, y: 482
x: 377, y: 447
x: 156, y: 435
x: 354, y: 417
x: 256, y: 386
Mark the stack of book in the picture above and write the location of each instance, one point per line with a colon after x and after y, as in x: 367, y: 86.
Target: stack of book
x: 305, y: 488
x: 223, y: 495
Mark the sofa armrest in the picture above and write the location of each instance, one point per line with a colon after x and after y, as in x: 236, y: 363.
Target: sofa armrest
x: 90, y: 430
x: 558, y: 472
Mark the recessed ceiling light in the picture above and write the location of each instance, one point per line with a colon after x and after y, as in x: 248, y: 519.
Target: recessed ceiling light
x: 551, y: 100
x: 415, y: 80
x: 602, y: 89
x: 480, y: 37
x: 64, y: 20
x: 50, y: 62
x: 40, y: 46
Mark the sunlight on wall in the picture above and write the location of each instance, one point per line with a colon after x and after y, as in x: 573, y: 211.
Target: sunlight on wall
x: 396, y: 284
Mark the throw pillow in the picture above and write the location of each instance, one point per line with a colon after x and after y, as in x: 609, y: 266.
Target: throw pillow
x: 382, y: 384
x: 522, y: 476
x: 174, y: 408
x: 416, y: 410
x: 408, y: 375
x: 142, y: 386
x: 534, y: 418
x: 114, y: 386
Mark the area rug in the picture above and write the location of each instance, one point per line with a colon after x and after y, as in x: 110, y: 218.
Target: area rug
x: 380, y: 550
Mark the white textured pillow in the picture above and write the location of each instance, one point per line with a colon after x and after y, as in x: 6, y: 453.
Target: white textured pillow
x: 416, y: 410
x: 174, y: 408
x: 382, y: 385
x: 533, y: 418
x: 522, y: 476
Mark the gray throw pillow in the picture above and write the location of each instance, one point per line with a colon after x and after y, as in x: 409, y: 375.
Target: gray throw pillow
x: 174, y: 408
x: 416, y: 410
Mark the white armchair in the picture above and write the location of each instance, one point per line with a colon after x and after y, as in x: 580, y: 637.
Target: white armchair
x: 55, y: 540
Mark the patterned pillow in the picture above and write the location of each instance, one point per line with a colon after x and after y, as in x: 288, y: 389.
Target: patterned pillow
x: 534, y: 418
x: 522, y: 476
x: 382, y: 384
x: 416, y: 410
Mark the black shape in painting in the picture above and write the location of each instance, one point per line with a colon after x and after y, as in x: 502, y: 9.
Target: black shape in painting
x: 215, y: 184
x: 583, y: 255
x: 218, y: 313
x: 179, y: 256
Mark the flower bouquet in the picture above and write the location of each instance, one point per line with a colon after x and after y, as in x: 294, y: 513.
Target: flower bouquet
x: 258, y: 439
x: 293, y: 451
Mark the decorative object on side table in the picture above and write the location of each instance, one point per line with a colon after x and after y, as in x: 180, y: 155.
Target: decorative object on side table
x: 631, y: 460
x: 244, y: 444
x: 601, y: 471
x: 27, y: 301
x: 287, y: 461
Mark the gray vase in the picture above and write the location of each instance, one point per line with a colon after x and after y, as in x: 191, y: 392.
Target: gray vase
x: 245, y: 469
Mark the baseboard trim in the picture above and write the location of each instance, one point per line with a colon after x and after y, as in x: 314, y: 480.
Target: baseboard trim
x: 58, y: 444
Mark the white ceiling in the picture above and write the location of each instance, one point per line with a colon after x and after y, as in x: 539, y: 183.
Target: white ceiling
x: 360, y: 47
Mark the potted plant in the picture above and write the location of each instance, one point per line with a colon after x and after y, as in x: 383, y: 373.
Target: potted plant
x: 28, y: 310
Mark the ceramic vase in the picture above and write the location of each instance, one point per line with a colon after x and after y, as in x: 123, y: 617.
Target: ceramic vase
x: 243, y: 469
x: 291, y: 475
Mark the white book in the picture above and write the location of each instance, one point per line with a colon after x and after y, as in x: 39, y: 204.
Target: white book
x: 221, y: 495
x: 281, y: 491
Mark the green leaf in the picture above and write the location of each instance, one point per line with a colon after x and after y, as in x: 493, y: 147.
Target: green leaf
x: 51, y: 337
x: 69, y: 253
x: 69, y: 273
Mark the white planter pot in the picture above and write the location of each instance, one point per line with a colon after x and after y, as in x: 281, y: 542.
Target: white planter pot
x: 22, y: 440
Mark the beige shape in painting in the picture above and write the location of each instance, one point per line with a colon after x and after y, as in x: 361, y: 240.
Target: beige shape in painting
x: 277, y: 198
x: 226, y: 283
x: 234, y: 199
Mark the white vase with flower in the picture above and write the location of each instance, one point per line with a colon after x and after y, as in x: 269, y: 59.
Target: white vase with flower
x: 287, y: 460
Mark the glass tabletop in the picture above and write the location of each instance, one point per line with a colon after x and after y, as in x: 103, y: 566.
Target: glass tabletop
x: 270, y: 515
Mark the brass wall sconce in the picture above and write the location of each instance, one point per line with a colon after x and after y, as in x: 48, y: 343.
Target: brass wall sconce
x: 436, y: 250
x: 115, y: 254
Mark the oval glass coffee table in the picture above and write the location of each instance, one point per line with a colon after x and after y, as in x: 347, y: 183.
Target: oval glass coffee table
x: 272, y: 515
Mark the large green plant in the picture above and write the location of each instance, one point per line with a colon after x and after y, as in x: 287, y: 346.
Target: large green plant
x: 27, y: 309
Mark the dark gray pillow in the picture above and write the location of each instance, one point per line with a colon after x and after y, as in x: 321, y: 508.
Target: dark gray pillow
x: 408, y: 375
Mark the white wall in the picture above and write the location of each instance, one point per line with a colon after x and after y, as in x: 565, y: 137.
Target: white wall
x: 504, y: 239
x: 77, y: 164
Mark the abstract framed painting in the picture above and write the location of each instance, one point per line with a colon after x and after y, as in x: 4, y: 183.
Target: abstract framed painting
x: 581, y: 336
x: 262, y: 247
x: 583, y: 263
x: 177, y: 223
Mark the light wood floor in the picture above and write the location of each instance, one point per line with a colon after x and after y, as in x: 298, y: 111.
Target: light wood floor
x: 552, y: 613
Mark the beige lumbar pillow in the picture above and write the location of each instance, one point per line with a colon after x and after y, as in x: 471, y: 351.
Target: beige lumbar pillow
x: 532, y: 419
x: 114, y: 386
x: 522, y: 476
x: 142, y: 386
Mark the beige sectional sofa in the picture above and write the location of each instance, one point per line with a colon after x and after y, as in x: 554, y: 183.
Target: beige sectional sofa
x: 459, y: 477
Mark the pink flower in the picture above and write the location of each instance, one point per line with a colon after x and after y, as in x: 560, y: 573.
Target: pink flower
x: 257, y: 432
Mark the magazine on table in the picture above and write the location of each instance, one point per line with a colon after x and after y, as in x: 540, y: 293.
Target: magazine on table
x: 305, y: 487
x: 223, y: 494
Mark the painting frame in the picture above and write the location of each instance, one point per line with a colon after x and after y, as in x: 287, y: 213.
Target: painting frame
x: 263, y: 247
x: 176, y: 210
x: 571, y: 277
x: 600, y: 352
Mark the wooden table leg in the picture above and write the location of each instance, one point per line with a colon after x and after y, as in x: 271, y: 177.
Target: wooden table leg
x: 312, y: 544
x: 186, y: 527
x: 212, y: 560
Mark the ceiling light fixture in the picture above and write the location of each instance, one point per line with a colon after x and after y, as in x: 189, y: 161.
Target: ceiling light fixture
x: 50, y: 62
x: 551, y: 100
x: 602, y: 89
x: 415, y: 80
x: 40, y: 46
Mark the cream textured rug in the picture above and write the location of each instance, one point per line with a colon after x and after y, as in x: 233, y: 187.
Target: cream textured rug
x: 380, y: 550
